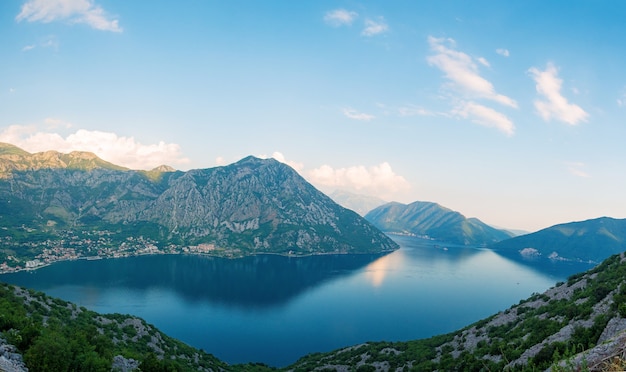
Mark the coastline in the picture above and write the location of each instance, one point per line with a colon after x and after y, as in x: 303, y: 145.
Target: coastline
x: 155, y: 253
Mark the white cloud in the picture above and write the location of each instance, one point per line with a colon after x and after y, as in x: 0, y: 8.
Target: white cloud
x: 462, y: 72
x: 486, y: 116
x: 355, y: 115
x: 28, y: 47
x: 73, y: 11
x: 125, y: 151
x: 503, y: 52
x: 577, y: 169
x: 553, y: 104
x: 340, y: 17
x: 483, y: 61
x: 379, y: 180
x: 373, y: 28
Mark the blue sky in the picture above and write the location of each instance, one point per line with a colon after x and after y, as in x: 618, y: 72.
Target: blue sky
x: 512, y: 112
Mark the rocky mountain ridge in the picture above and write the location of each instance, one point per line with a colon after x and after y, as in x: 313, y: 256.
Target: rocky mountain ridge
x: 252, y: 206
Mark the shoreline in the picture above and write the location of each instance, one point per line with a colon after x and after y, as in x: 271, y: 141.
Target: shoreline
x: 96, y: 258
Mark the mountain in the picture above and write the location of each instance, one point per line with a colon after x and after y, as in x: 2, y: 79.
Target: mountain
x: 587, y: 241
x: 434, y: 221
x: 361, y: 204
x: 579, y: 325
x: 253, y: 206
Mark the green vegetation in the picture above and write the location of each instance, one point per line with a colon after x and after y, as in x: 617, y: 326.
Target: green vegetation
x: 54, y: 335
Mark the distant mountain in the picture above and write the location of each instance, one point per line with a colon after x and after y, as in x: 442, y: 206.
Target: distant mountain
x: 434, y: 221
x: 591, y: 240
x: 361, y: 204
x: 12, y: 159
x: 248, y: 207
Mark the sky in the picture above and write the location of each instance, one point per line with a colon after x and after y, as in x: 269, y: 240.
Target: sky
x: 511, y: 112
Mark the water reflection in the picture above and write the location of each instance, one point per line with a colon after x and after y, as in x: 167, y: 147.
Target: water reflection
x: 255, y: 281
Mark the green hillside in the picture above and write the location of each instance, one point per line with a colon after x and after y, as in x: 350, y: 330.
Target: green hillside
x: 434, y: 221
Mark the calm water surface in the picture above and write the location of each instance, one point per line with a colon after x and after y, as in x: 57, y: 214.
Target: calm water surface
x: 275, y: 309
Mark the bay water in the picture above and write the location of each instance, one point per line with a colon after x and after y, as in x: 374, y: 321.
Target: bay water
x: 275, y: 309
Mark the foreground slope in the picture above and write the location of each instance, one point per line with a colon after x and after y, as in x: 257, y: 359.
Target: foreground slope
x: 41, y: 333
x: 434, y: 221
x: 252, y: 206
x: 587, y: 241
x: 581, y: 323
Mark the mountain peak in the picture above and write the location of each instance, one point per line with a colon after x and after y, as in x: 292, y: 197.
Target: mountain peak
x: 163, y: 169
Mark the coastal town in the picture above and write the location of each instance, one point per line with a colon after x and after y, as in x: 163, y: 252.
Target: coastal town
x: 18, y: 255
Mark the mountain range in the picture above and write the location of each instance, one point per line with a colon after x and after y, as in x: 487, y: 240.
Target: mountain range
x: 587, y: 241
x: 251, y: 206
x: 431, y: 220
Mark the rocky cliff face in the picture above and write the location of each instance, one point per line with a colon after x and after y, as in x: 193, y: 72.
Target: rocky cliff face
x: 253, y: 205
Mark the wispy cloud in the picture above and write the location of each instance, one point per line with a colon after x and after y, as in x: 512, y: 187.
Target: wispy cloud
x: 621, y: 100
x: 340, y: 17
x: 125, y: 151
x: 410, y: 110
x: 462, y: 72
x: 485, y: 116
x: 355, y: 115
x: 503, y: 52
x: 553, y: 105
x: 577, y: 169
x: 375, y: 27
x: 466, y: 85
x: 28, y: 47
x: 72, y: 11
x: 483, y: 61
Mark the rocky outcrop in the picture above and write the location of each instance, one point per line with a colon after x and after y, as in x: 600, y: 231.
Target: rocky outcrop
x: 10, y: 359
